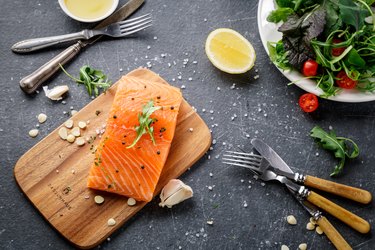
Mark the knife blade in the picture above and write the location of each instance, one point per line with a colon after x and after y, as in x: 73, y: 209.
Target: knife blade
x: 30, y: 83
x: 278, y: 165
x: 330, y: 231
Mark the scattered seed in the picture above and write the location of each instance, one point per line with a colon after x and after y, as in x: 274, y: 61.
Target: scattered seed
x: 98, y: 199
x: 42, y: 118
x: 291, y: 220
x: 111, y: 222
x: 70, y: 138
x: 33, y: 133
x: 69, y: 123
x: 302, y: 246
x: 310, y: 226
x: 82, y: 124
x: 318, y: 230
x: 131, y: 202
x: 284, y: 247
x: 63, y: 133
x: 80, y: 141
x: 76, y: 131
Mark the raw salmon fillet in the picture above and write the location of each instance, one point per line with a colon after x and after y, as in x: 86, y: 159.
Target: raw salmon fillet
x: 134, y: 172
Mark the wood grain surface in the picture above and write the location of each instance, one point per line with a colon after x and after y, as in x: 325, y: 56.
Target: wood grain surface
x: 53, y: 173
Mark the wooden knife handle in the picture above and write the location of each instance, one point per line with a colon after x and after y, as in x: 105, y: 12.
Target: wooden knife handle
x: 333, y: 235
x: 352, y: 193
x: 340, y: 213
x: 30, y: 83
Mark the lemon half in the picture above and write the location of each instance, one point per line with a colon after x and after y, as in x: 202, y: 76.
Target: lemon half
x: 229, y: 51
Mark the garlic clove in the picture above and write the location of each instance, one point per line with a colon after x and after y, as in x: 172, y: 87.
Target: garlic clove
x: 56, y: 93
x: 175, y: 192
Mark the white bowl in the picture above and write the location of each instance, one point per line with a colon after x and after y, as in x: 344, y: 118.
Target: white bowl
x: 109, y: 12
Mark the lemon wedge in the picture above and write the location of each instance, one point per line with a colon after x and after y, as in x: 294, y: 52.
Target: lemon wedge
x: 229, y: 51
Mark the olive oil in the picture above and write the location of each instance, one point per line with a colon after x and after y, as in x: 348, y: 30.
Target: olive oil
x: 88, y: 9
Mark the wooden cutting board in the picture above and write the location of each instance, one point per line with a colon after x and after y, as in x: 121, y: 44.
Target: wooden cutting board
x: 53, y: 173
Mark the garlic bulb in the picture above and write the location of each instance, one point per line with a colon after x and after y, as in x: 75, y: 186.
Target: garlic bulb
x: 174, y: 192
x: 56, y: 93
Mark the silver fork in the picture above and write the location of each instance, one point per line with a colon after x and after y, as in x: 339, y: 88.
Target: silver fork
x: 260, y: 166
x: 119, y: 29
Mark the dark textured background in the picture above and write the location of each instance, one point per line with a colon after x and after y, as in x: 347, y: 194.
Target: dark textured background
x: 181, y: 28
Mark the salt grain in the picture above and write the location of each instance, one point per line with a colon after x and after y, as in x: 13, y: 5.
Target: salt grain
x: 33, y: 133
x: 42, y: 118
x: 111, y: 222
x: 131, y: 202
x: 98, y: 199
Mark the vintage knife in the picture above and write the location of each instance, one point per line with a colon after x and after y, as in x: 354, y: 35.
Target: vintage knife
x: 275, y: 161
x: 329, y: 230
x: 280, y: 167
x: 30, y: 83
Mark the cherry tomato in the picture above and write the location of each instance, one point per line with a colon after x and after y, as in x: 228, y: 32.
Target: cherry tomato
x: 344, y: 81
x: 337, y: 51
x: 310, y: 68
x: 308, y: 102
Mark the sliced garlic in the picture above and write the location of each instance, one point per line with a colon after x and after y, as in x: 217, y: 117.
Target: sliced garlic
x: 82, y: 124
x: 69, y: 123
x: 70, y: 138
x: 131, y: 202
x: 80, y: 141
x: 42, y: 118
x: 76, y: 131
x: 56, y: 93
x: 291, y: 220
x: 302, y: 246
x: 63, y: 133
x: 33, y: 133
x: 284, y: 247
x: 175, y: 192
x: 318, y: 230
x: 111, y: 222
x: 310, y: 226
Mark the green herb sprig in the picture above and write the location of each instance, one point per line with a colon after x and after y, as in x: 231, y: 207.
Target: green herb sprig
x: 93, y: 79
x: 145, y: 123
x: 338, y: 145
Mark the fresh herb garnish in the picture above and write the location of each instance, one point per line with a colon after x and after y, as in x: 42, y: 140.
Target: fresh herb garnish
x: 145, y: 123
x: 340, y: 146
x: 93, y: 79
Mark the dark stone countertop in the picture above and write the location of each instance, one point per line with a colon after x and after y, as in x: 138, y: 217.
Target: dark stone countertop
x: 179, y: 31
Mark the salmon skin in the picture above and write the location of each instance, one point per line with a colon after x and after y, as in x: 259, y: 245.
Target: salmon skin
x: 134, y: 172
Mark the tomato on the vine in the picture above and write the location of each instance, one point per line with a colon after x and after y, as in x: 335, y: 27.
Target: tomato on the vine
x: 308, y: 102
x: 310, y: 68
x: 344, y: 81
x: 337, y: 51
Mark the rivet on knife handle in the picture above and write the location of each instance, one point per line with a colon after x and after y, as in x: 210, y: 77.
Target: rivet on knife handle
x: 333, y: 235
x: 340, y: 213
x: 352, y: 193
x: 31, y: 82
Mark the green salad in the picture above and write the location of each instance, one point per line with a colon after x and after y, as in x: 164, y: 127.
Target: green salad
x: 330, y: 41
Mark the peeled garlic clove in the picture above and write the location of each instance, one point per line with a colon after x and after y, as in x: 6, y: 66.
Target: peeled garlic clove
x: 175, y: 192
x: 56, y: 93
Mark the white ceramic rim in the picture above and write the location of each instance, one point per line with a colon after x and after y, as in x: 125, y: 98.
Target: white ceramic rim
x: 109, y: 12
x: 268, y: 32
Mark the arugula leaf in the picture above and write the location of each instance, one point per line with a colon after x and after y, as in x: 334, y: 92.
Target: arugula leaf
x: 297, y: 34
x: 280, y: 14
x: 338, y: 145
x: 145, y: 123
x: 354, y: 59
x: 93, y: 79
x: 286, y: 3
x: 278, y: 55
x: 352, y: 14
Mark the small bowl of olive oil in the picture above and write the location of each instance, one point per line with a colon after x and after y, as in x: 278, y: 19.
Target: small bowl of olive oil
x: 88, y: 11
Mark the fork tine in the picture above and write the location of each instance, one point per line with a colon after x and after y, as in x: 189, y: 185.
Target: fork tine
x: 249, y: 164
x: 250, y: 159
x: 246, y: 154
x: 134, y: 22
x: 241, y: 165
x: 138, y: 27
x: 134, y: 31
x: 134, y: 19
